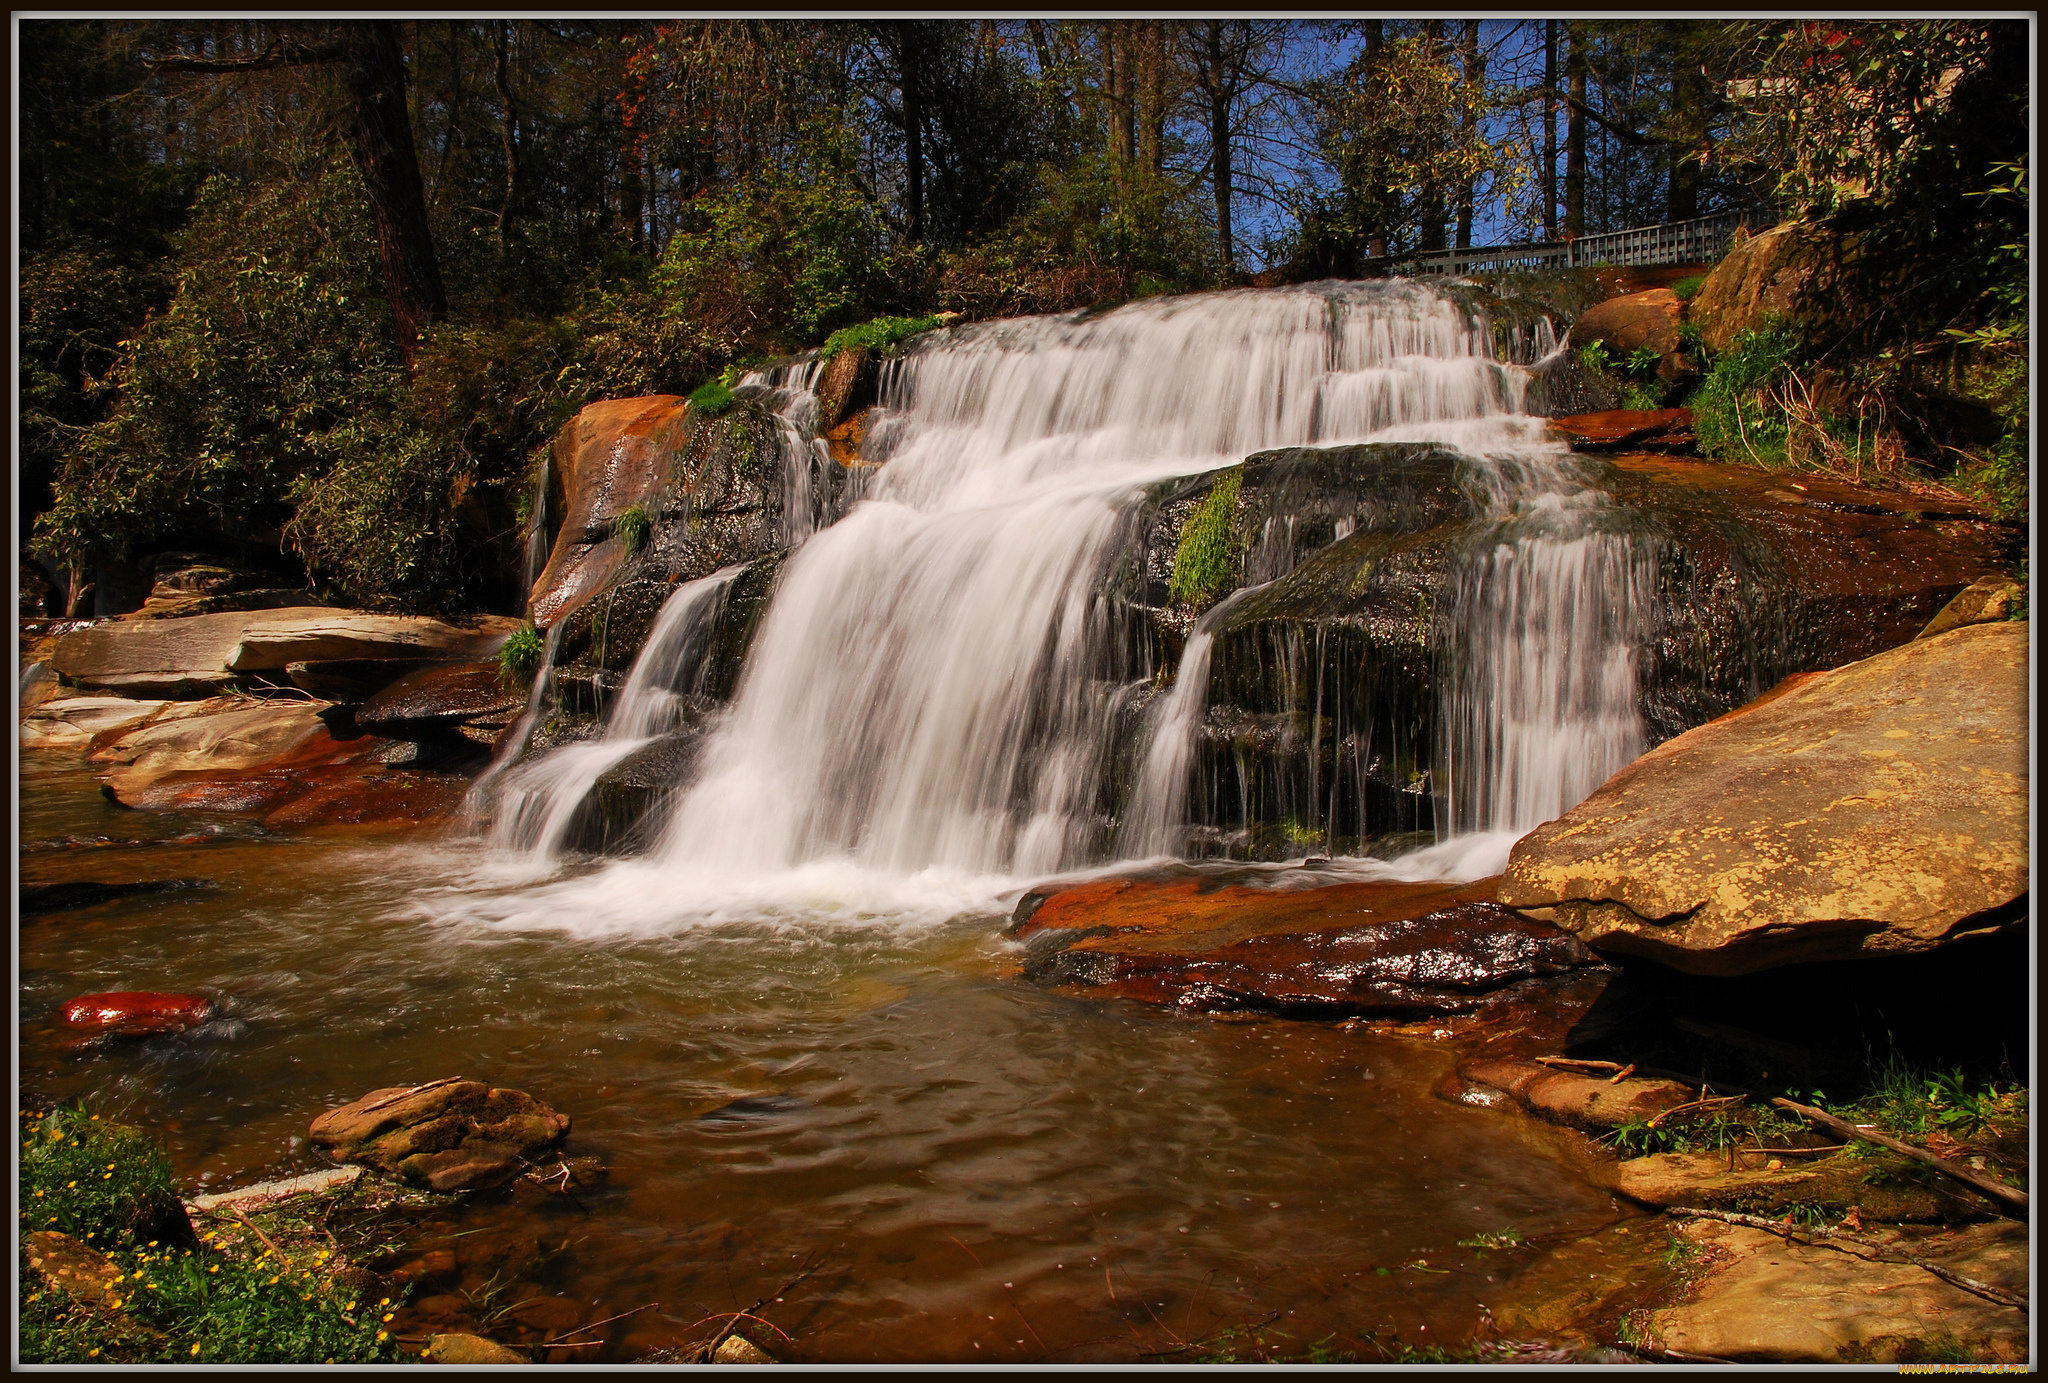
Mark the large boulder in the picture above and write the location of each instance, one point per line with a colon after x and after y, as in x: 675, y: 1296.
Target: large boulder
x: 240, y: 736
x: 1633, y: 322
x: 1764, y: 276
x: 1218, y: 940
x: 471, y: 699
x: 202, y: 655
x: 1878, y: 808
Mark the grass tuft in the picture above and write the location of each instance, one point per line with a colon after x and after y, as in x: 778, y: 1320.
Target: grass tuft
x: 1206, y: 562
x: 877, y: 335
x: 711, y: 400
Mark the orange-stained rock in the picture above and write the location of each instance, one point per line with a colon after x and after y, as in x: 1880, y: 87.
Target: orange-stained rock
x: 1564, y: 1097
x: 1209, y: 939
x: 377, y: 797
x: 845, y: 440
x: 1623, y: 429
x: 138, y: 1013
x: 609, y: 458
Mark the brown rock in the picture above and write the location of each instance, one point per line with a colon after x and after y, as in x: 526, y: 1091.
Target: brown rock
x: 548, y: 1317
x: 460, y: 1133
x: 1987, y: 599
x: 351, y: 680
x: 845, y: 440
x: 441, y: 698
x: 63, y: 1264
x: 839, y: 382
x: 609, y: 458
x: 372, y: 798
x: 74, y: 722
x: 738, y: 1349
x: 1657, y: 429
x: 1202, y: 941
x: 1764, y: 276
x: 1764, y: 1299
x: 1563, y: 1097
x: 1707, y: 1181
x: 468, y: 1349
x: 1630, y: 322
x: 137, y: 1013
x: 1880, y: 807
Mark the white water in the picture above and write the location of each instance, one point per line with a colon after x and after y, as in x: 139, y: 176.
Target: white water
x: 930, y: 694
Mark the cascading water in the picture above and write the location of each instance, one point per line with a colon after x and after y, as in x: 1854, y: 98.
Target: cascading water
x: 935, y: 688
x: 536, y: 803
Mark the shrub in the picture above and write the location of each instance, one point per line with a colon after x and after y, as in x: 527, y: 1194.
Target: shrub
x: 876, y: 335
x: 1205, y: 563
x: 1734, y: 414
x: 521, y: 655
x: 1686, y: 287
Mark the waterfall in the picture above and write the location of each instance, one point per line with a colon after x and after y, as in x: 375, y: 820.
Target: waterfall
x: 537, y: 538
x: 536, y: 803
x: 931, y: 685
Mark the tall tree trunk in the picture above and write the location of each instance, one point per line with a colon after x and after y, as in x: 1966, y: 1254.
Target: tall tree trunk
x: 1575, y: 132
x: 509, y: 127
x: 1550, y: 129
x: 1152, y: 92
x: 381, y: 141
x: 1116, y: 88
x: 913, y: 129
x: 1216, y: 86
x: 1431, y: 211
x: 1468, y: 123
x: 1376, y: 230
x: 1689, y: 102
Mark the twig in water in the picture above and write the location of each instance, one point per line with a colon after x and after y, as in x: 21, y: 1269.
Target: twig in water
x: 390, y: 1100
x: 548, y: 1344
x: 1968, y: 1284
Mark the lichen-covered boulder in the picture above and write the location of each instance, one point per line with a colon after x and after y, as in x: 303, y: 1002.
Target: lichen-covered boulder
x: 450, y: 1135
x: 1878, y: 808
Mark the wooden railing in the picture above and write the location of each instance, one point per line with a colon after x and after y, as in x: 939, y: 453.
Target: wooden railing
x: 1676, y: 242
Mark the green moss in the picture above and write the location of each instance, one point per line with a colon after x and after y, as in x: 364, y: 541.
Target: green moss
x: 877, y: 335
x: 630, y: 528
x: 711, y: 400
x: 1686, y: 287
x: 1205, y: 565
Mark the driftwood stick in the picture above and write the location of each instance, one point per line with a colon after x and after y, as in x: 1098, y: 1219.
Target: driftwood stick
x: 1993, y: 1189
x: 1968, y: 1284
x: 390, y: 1100
x: 257, y: 1232
x: 1659, y: 1117
x: 556, y: 1343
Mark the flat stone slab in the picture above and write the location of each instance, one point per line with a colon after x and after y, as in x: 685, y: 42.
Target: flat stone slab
x: 246, y: 737
x: 199, y: 655
x: 326, y: 1179
x: 1769, y: 1300
x: 1594, y: 1103
x: 1748, y: 1184
x: 73, y: 722
x: 1656, y: 429
x: 1878, y: 808
x: 1288, y: 941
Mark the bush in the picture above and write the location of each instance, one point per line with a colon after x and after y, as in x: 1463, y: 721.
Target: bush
x: 175, y: 1301
x: 630, y: 528
x: 1734, y: 414
x: 877, y: 335
x: 1687, y: 287
x: 521, y: 655
x: 1205, y: 564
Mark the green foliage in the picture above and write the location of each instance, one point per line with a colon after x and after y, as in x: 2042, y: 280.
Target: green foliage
x: 793, y: 247
x: 1593, y: 358
x: 1205, y: 563
x: 877, y: 335
x: 630, y: 528
x: 102, y: 1182
x: 1642, y: 361
x: 520, y: 656
x: 1687, y: 287
x: 711, y: 400
x: 1912, y: 1103
x: 1643, y: 395
x: 91, y: 1177
x: 1733, y: 415
x: 1509, y: 1238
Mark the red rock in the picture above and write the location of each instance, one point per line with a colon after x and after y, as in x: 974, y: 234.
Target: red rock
x: 1630, y: 322
x: 1202, y: 940
x: 388, y: 799
x: 611, y: 456
x: 1655, y: 429
x: 138, y: 1013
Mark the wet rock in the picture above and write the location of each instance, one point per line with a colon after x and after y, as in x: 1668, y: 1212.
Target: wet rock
x: 845, y: 441
x: 437, y: 701
x: 80, y: 1272
x: 1745, y: 1183
x: 1879, y: 808
x: 1657, y: 429
x: 457, y: 1133
x: 738, y: 1349
x: 624, y: 805
x: 38, y: 684
x: 1766, y: 1299
x: 43, y: 899
x: 847, y: 380
x: 546, y: 1318
x: 136, y: 1013
x: 249, y: 758
x: 380, y: 798
x: 1593, y: 1103
x: 74, y: 722
x: 1983, y: 601
x: 351, y: 680
x: 468, y: 1349
x: 1202, y: 941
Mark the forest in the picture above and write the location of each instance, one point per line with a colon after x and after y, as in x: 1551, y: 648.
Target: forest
x: 317, y: 293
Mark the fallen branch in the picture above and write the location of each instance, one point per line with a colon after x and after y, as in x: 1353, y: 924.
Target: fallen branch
x: 732, y: 1323
x: 389, y: 1100
x: 1990, y: 1187
x: 257, y: 1232
x: 1662, y: 1115
x: 560, y: 1340
x: 1968, y: 1284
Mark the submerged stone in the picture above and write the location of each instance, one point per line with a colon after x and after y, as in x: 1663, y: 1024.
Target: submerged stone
x: 137, y: 1013
x: 447, y: 1135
